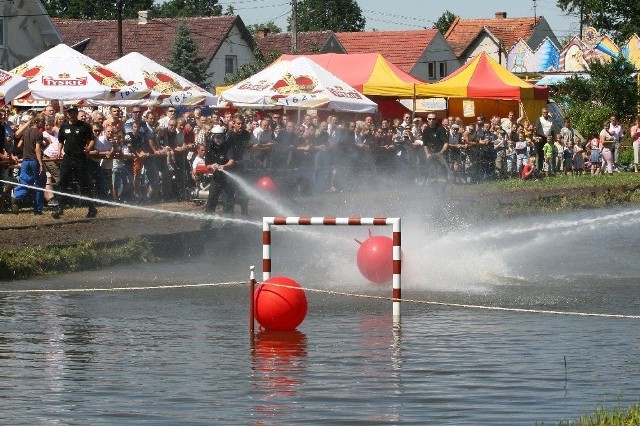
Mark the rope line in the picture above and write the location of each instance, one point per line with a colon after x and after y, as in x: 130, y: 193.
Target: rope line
x: 87, y: 290
x: 329, y: 292
x: 458, y: 305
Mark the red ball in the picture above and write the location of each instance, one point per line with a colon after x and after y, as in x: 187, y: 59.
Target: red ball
x: 280, y: 308
x: 266, y: 184
x: 375, y: 259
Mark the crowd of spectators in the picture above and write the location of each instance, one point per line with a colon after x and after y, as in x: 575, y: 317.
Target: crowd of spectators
x: 147, y: 155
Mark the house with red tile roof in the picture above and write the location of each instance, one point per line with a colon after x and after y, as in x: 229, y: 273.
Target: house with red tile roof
x: 424, y: 54
x: 307, y: 43
x: 26, y: 31
x: 223, y: 41
x: 470, y: 37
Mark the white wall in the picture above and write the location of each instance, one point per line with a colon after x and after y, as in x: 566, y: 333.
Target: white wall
x: 233, y: 45
x: 486, y: 44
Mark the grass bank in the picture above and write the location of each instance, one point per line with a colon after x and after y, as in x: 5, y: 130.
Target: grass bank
x: 607, y: 417
x: 40, y: 260
x: 513, y: 197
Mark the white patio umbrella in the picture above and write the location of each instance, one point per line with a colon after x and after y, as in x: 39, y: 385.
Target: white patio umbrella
x: 167, y: 87
x: 297, y: 84
x: 64, y: 74
x: 11, y: 86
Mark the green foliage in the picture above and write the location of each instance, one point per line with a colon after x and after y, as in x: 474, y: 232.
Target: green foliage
x: 444, y: 21
x: 245, y: 71
x: 270, y: 26
x: 184, y: 57
x: 611, y: 90
x: 186, y: 8
x: 39, y: 260
x: 620, y: 18
x: 329, y: 15
x: 95, y: 9
x: 588, y: 118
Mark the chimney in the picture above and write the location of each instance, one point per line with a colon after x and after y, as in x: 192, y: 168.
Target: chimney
x: 144, y: 16
x: 263, y: 32
x: 501, y: 15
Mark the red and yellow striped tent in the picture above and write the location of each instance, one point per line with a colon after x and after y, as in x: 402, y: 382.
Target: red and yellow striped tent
x: 484, y: 78
x: 490, y: 88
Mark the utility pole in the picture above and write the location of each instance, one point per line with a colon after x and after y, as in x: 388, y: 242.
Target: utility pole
x: 294, y: 26
x: 119, y: 11
x: 581, y: 18
x: 535, y: 15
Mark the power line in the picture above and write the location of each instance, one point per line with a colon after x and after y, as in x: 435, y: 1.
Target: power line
x: 410, y: 18
x: 257, y: 7
x: 397, y: 23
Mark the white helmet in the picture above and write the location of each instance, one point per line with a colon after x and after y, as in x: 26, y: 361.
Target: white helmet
x: 218, y: 130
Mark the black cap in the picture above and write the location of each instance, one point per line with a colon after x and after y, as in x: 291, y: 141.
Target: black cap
x: 71, y: 108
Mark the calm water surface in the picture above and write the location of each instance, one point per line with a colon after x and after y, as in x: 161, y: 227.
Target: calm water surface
x: 184, y: 356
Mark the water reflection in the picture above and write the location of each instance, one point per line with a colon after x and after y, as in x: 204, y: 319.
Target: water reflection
x: 46, y: 336
x: 278, y: 362
x: 181, y: 356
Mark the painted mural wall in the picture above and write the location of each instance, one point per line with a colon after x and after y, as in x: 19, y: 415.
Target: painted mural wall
x: 574, y: 57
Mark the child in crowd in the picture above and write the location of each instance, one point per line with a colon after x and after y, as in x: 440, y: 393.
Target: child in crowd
x: 578, y: 159
x: 521, y: 151
x: 198, y: 166
x: 549, y: 157
x: 511, y: 158
x: 558, y: 151
x: 567, y: 159
x: 595, y: 158
x: 529, y: 171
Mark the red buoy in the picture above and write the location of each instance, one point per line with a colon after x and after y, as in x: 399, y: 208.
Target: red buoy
x: 266, y: 184
x: 281, y: 307
x: 375, y: 259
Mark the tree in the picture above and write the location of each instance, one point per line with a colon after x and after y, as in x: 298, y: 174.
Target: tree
x: 610, y: 90
x: 333, y: 15
x: 186, y: 8
x: 621, y: 18
x: 270, y: 26
x: 95, y: 9
x: 444, y: 22
x: 184, y: 57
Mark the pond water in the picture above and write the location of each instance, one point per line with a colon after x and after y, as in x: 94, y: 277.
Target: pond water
x: 183, y: 355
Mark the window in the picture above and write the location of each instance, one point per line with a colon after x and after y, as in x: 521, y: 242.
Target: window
x: 1, y: 32
x: 442, y: 68
x: 230, y: 64
x: 431, y: 70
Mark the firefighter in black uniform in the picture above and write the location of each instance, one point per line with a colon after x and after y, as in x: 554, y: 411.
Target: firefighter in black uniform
x: 239, y: 140
x: 219, y: 157
x: 76, y: 138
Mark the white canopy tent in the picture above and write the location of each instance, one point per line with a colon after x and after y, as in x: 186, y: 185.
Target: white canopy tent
x: 297, y: 84
x: 11, y: 86
x: 166, y: 87
x: 62, y: 73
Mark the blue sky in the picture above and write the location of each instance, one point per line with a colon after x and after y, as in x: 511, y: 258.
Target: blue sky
x: 414, y: 14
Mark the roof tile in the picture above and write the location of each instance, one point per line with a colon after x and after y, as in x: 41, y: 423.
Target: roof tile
x: 402, y: 48
x: 308, y: 43
x: 153, y: 39
x: 508, y: 30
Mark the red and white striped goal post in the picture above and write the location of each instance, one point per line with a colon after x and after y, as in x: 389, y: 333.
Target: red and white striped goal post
x: 394, y: 222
